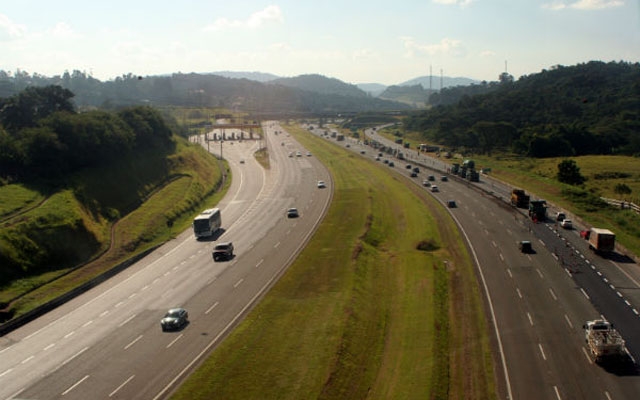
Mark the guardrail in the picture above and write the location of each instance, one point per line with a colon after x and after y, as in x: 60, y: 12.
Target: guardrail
x: 622, y: 204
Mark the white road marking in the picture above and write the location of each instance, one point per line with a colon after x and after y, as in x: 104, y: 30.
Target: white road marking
x: 557, y: 393
x: 542, y: 351
x: 238, y: 283
x: 519, y: 294
x: 585, y: 293
x: 211, y: 308
x: 126, y: 320
x: 530, y: 319
x: 48, y: 347
x: 133, y: 342
x: 509, y: 272
x: 174, y: 340
x: 75, y: 385
x: 259, y: 262
x: 568, y: 321
x: 26, y: 360
x: 121, y: 386
x: 553, y: 294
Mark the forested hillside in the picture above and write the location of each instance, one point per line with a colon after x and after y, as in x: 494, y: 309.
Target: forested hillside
x: 306, y: 94
x: 591, y: 108
x: 66, y: 179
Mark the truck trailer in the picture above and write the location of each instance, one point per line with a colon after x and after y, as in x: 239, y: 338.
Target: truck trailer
x: 601, y: 240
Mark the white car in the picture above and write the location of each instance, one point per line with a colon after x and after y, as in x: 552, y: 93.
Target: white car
x: 566, y: 224
x: 321, y: 185
x: 434, y: 188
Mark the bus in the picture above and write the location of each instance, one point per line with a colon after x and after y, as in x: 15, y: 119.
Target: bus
x: 207, y: 222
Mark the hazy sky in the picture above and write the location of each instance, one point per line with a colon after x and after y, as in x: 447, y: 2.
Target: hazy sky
x: 356, y: 41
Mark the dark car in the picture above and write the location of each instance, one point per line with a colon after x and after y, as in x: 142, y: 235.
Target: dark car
x: 293, y: 213
x: 391, y: 164
x: 444, y: 178
x: 451, y: 204
x: 174, y: 319
x: 525, y: 246
x: 416, y: 170
x: 414, y: 174
x: 222, y: 251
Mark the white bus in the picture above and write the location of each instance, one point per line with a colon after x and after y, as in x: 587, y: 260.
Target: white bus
x: 207, y: 222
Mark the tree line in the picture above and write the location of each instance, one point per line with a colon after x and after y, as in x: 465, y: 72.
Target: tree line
x: 43, y: 136
x: 590, y: 108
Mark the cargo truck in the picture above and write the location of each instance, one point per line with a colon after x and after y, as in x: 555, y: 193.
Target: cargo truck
x: 601, y: 240
x: 603, y: 341
x: 538, y: 210
x: 519, y: 198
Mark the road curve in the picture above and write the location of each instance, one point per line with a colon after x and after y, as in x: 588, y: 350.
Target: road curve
x: 107, y: 343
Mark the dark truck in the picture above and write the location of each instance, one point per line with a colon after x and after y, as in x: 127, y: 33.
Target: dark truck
x: 538, y: 210
x: 222, y: 251
x: 519, y: 198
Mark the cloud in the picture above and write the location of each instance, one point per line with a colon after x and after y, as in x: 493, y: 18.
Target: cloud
x: 10, y: 27
x: 254, y: 21
x: 583, y: 4
x: 447, y: 46
x: 63, y: 30
x: 461, y: 3
x: 487, y: 53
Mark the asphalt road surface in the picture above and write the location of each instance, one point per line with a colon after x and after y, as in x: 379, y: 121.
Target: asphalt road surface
x: 536, y: 303
x: 107, y: 343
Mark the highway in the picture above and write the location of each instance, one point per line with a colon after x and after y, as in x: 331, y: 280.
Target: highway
x: 107, y: 343
x: 536, y: 303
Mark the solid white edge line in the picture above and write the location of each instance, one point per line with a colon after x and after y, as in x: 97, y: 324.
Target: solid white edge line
x: 121, y: 386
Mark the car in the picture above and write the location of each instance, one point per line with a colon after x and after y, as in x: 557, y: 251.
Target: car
x: 308, y: 154
x: 321, y: 185
x: 434, y: 188
x: 174, y: 319
x: 416, y: 170
x: 377, y: 158
x: 222, y: 251
x: 298, y: 154
x: 566, y: 224
x: 414, y: 175
x: 386, y: 161
x: 391, y: 164
x: 241, y: 161
x: 525, y: 246
x: 380, y: 155
x: 362, y: 152
x: 290, y: 154
x: 292, y: 213
x: 426, y: 183
x: 451, y: 204
x: 408, y: 166
x: 348, y: 145
x: 444, y: 178
x: 560, y: 216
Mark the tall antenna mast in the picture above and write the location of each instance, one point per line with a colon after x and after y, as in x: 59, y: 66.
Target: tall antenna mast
x: 441, y: 79
x: 430, y: 78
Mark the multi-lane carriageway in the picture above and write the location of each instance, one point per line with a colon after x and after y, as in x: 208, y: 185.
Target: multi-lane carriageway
x: 537, y: 303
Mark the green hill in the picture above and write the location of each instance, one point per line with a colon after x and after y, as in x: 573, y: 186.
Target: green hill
x: 67, y: 219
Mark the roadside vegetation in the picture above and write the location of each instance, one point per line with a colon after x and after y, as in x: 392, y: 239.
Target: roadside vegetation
x: 100, y: 205
x: 382, y: 303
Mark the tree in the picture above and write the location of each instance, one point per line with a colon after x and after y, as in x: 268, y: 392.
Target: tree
x: 569, y: 172
x: 26, y: 108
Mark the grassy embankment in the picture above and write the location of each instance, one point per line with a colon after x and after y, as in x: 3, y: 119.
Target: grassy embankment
x: 362, y: 313
x: 603, y: 173
x: 105, y: 215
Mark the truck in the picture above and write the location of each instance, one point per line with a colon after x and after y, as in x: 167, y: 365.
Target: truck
x: 604, y: 342
x: 472, y: 175
x: 519, y: 198
x: 538, y: 210
x: 601, y: 240
x: 455, y: 168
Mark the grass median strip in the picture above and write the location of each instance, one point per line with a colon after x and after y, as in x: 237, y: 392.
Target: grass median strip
x: 366, y: 310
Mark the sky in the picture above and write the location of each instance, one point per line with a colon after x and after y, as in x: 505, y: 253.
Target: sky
x: 356, y: 41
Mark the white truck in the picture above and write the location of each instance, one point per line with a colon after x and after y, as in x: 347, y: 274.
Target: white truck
x: 603, y: 341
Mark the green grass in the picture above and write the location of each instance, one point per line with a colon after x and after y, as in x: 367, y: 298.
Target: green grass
x: 15, y: 198
x: 362, y: 313
x: 165, y: 209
